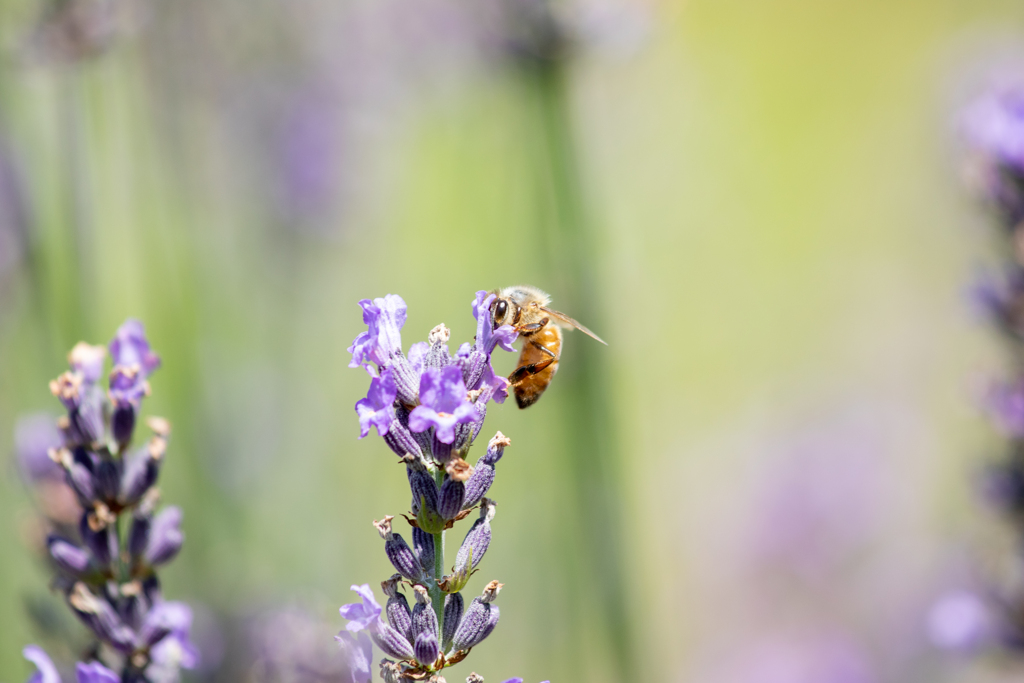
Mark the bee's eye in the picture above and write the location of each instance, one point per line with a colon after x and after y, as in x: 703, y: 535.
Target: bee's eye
x: 500, y: 309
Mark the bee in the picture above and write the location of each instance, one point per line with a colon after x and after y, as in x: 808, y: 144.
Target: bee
x: 526, y: 309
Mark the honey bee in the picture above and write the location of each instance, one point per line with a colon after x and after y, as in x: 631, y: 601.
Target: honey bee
x: 525, y: 308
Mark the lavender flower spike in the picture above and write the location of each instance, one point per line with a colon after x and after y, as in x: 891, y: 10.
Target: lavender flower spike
x: 361, y: 615
x: 112, y: 589
x: 443, y: 403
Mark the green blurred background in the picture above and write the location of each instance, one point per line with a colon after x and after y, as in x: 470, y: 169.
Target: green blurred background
x: 756, y: 203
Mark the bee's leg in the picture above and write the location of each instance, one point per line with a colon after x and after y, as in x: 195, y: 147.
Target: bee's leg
x: 525, y: 371
x: 542, y: 348
x: 532, y: 327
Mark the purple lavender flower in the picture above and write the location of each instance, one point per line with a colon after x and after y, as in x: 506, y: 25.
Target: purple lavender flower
x: 430, y: 406
x: 127, y: 615
x: 443, y: 404
x: 994, y: 127
x: 961, y: 622
x: 130, y: 348
x: 95, y: 672
x: 1005, y: 403
x: 376, y: 409
x: 361, y: 615
x: 47, y: 672
x: 358, y: 654
x: 35, y: 436
x: 383, y: 340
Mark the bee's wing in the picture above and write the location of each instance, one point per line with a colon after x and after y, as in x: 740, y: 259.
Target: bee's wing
x: 563, y: 318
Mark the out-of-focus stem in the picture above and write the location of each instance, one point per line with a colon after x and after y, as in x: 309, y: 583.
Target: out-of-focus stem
x: 589, y: 420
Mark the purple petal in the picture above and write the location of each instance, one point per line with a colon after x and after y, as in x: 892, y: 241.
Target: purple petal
x: 47, y: 672
x: 487, y: 338
x: 87, y: 360
x: 34, y: 436
x: 422, y: 418
x: 452, y: 393
x: 358, y: 655
x: 129, y: 347
x: 383, y: 340
x: 94, y: 672
x: 361, y: 615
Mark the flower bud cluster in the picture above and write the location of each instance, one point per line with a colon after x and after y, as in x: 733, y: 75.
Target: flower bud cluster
x: 106, y: 563
x: 429, y: 406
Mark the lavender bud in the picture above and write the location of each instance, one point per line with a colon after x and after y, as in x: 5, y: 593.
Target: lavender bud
x: 68, y: 556
x: 88, y: 415
x: 138, y: 535
x: 474, y: 678
x: 78, y: 470
x: 424, y: 621
x: 426, y: 649
x: 98, y: 615
x: 393, y: 643
x: 107, y: 480
x: 424, y: 496
x: 479, y: 620
x: 102, y: 542
x: 400, y: 439
x: 453, y: 608
x: 407, y: 380
x: 122, y: 423
x: 141, y: 471
x: 162, y: 620
x: 477, y: 540
x: 397, y: 608
x: 450, y: 499
x: 165, y: 536
x: 423, y: 545
x: 398, y: 551
x: 483, y: 474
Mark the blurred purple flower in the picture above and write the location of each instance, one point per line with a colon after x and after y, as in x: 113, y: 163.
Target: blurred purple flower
x: 361, y: 615
x: 960, y: 622
x: 809, y: 659
x: 358, y: 654
x: 94, y: 672
x: 376, y: 409
x: 47, y: 672
x: 14, y: 219
x: 443, y: 403
x: 309, y: 160
x: 130, y: 348
x: 994, y: 127
x: 1004, y: 401
x: 289, y: 646
x: 34, y: 436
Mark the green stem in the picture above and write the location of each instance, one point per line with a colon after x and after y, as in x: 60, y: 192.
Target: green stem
x: 436, y: 594
x: 589, y: 422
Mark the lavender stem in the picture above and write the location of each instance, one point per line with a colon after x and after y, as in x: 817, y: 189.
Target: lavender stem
x: 436, y: 594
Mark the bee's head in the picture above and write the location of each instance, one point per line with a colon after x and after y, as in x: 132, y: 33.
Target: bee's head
x: 501, y: 312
